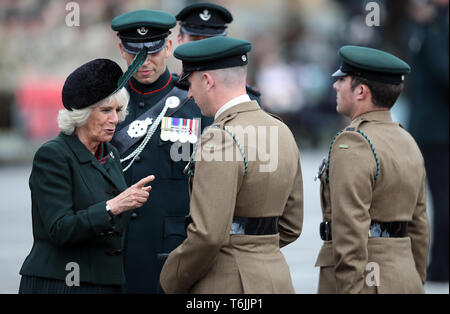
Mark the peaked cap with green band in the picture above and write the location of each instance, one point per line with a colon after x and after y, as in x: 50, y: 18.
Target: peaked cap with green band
x: 212, y: 53
x: 204, y: 19
x: 372, y: 64
x: 140, y: 28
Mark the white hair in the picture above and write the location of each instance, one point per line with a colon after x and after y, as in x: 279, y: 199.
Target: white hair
x: 69, y: 120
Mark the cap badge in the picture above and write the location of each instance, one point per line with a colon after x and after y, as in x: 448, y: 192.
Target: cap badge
x: 244, y: 58
x: 205, y: 15
x: 142, y: 30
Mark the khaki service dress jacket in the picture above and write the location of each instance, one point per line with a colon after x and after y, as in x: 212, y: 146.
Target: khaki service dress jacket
x: 211, y: 260
x: 375, y: 172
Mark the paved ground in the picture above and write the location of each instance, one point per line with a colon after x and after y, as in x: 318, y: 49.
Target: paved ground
x: 16, y: 236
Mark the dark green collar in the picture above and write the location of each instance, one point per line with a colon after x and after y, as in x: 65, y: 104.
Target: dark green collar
x: 163, y: 82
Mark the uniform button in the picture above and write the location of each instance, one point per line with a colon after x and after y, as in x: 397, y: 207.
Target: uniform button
x: 117, y: 252
x: 133, y: 215
x: 138, y: 158
x: 110, y: 233
x: 102, y: 234
x: 141, y: 104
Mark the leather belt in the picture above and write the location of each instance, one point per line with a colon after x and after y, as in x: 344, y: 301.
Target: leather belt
x: 395, y: 229
x: 254, y: 226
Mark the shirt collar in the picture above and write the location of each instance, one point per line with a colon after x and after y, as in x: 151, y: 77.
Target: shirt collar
x: 233, y: 102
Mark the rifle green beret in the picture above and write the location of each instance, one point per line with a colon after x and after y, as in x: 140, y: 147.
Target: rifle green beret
x: 212, y: 53
x: 372, y: 64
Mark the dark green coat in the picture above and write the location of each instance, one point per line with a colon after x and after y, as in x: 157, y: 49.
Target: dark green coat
x: 429, y: 83
x: 158, y: 226
x: 69, y: 189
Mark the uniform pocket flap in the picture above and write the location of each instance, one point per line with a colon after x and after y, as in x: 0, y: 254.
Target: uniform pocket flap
x: 325, y: 257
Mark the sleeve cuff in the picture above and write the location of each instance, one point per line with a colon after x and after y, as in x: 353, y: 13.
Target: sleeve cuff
x: 99, y: 219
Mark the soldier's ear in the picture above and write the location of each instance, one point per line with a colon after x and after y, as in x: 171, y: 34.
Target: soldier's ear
x: 180, y: 39
x: 122, y: 52
x: 208, y: 80
x: 365, y: 92
x: 168, y: 48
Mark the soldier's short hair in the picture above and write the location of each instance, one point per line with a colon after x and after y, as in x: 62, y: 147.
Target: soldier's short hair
x: 383, y: 95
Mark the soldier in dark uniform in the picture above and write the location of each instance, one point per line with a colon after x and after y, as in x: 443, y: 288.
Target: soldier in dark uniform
x: 155, y: 103
x: 204, y: 20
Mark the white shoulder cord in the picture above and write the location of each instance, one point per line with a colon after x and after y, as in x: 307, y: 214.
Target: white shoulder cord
x: 150, y: 132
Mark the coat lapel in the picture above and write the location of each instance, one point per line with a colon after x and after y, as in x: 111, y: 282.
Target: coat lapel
x: 84, y: 156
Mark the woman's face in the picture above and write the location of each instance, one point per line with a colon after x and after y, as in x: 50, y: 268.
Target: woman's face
x: 102, y: 122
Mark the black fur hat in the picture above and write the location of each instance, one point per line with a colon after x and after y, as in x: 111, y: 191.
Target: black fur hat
x: 90, y: 83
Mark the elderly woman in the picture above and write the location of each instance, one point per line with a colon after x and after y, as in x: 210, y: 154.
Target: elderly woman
x: 80, y: 200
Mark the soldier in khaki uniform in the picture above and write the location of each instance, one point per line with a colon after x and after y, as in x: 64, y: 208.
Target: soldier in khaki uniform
x: 244, y: 205
x: 375, y: 227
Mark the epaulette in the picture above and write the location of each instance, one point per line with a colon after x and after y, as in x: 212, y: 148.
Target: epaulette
x: 353, y: 128
x: 228, y: 118
x: 275, y: 116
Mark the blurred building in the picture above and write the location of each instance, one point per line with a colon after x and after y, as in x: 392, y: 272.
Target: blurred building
x: 295, y: 44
